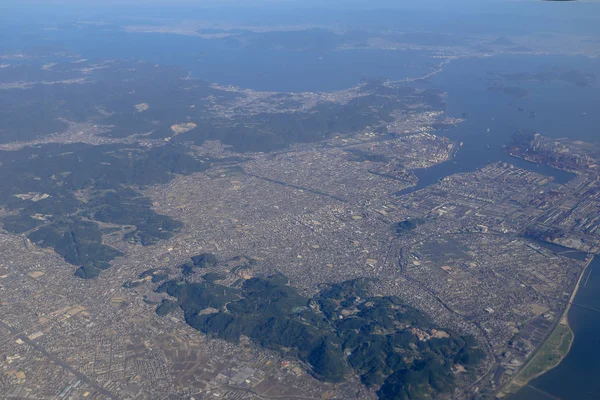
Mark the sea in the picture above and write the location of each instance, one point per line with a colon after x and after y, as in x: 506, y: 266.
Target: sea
x: 577, y: 377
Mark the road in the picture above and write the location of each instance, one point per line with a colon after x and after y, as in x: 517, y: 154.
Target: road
x: 84, y: 378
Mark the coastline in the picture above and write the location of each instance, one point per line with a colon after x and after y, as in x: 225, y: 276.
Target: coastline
x: 575, y: 290
x: 516, y: 383
x: 538, y: 162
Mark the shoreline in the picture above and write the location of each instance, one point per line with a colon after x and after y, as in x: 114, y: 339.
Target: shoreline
x: 538, y: 162
x: 564, y: 316
x: 514, y: 385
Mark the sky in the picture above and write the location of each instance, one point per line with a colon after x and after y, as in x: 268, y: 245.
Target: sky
x: 436, y: 15
x: 418, y: 4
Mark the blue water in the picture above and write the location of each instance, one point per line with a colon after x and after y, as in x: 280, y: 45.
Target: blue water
x: 559, y: 106
x: 226, y: 62
x: 562, y: 110
x: 577, y: 377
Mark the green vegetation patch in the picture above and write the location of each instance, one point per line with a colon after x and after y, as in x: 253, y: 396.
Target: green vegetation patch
x: 204, y: 260
x: 166, y: 307
x: 38, y: 186
x: 403, y: 227
x: 392, y: 346
x: 548, y: 356
x: 79, y: 242
x: 128, y: 207
x: 213, y: 276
